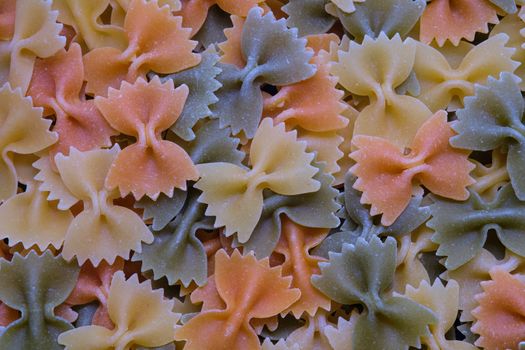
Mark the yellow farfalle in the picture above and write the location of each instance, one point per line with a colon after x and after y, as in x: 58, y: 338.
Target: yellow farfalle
x: 409, y: 268
x: 514, y: 26
x: 28, y: 218
x: 142, y: 317
x: 340, y: 337
x: 102, y: 231
x: 235, y: 195
x: 51, y: 182
x: 374, y: 69
x: 441, y: 80
x: 22, y: 131
x: 84, y: 17
x: 36, y: 34
x: 444, y: 302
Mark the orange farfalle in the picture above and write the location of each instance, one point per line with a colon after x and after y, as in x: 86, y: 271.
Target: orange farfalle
x: 386, y: 174
x: 456, y: 19
x: 295, y: 243
x: 152, y: 165
x: 501, y: 312
x: 313, y: 104
x: 56, y: 85
x: 231, y: 48
x: 93, y: 285
x: 318, y: 42
x: 250, y: 290
x: 7, y: 19
x: 157, y: 42
x: 194, y: 12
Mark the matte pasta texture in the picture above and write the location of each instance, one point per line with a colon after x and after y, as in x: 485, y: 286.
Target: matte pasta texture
x: 262, y: 174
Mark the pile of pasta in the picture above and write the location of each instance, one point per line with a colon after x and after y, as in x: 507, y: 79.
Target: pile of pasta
x: 262, y: 174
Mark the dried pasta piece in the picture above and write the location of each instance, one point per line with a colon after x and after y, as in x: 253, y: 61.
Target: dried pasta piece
x: 462, y: 227
x: 234, y: 195
x: 499, y: 316
x: 296, y: 106
x: 16, y: 137
x: 119, y: 8
x: 103, y: 230
x: 176, y: 253
x: 273, y: 55
x: 442, y: 81
x: 514, y: 26
x: 258, y: 291
x: 340, y: 337
x: 56, y: 85
x: 151, y: 165
x: 157, y: 42
x: 202, y: 85
x: 28, y: 218
x: 295, y: 244
x: 470, y: 275
x: 93, y: 284
x: 443, y: 301
x: 308, y: 16
x: 35, y: 34
x: 85, y: 18
x: 371, y: 17
x: 194, y: 12
x: 445, y: 20
x: 314, y: 209
x: 35, y: 285
x: 357, y: 221
x: 489, y: 178
x: 142, y: 317
x: 231, y: 48
x: 387, y: 175
x: 492, y: 118
x: 363, y: 274
x: 389, y: 115
x: 51, y: 182
x: 326, y: 145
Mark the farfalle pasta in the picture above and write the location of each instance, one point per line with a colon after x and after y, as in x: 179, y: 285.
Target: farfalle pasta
x: 262, y: 174
x: 108, y: 66
x: 229, y: 189
x: 35, y: 34
x: 56, y: 86
x: 151, y: 324
x: 16, y: 114
x: 230, y: 326
x: 152, y: 165
x: 389, y: 115
x: 386, y: 173
x: 103, y: 230
x: 442, y: 81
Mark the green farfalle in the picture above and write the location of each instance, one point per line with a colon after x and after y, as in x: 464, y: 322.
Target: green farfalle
x: 176, y: 253
x: 274, y: 55
x: 372, y: 17
x: 462, y: 227
x: 35, y: 285
x: 315, y: 209
x: 358, y: 222
x: 493, y: 118
x: 163, y: 210
x: 202, y: 85
x: 308, y: 16
x: 212, y: 31
x: 363, y: 274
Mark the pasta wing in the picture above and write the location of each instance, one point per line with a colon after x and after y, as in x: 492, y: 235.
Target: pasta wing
x: 258, y: 292
x: 142, y: 317
x: 16, y: 138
